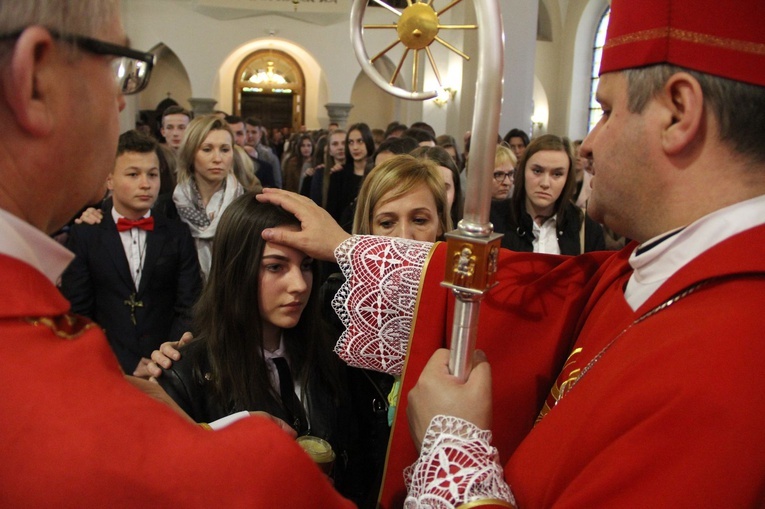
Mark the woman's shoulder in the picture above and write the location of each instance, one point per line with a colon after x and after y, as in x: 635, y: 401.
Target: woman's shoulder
x: 501, y: 206
x: 501, y: 215
x: 572, y: 236
x: 575, y: 217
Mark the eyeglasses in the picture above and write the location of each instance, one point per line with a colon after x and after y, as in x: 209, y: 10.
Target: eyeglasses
x: 500, y: 176
x: 132, y: 68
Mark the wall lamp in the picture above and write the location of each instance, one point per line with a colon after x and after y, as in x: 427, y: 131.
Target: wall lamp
x: 445, y: 95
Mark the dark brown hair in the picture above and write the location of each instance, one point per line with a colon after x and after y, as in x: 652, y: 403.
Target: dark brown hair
x: 545, y: 142
x: 228, y: 322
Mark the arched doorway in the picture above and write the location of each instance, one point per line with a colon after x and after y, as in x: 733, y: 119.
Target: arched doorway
x: 169, y: 85
x: 270, y: 85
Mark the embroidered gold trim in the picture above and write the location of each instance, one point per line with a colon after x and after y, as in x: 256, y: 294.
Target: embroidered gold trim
x: 687, y: 36
x: 54, y: 327
x: 495, y: 502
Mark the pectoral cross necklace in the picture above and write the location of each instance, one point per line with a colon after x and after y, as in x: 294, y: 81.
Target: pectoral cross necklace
x: 133, y: 303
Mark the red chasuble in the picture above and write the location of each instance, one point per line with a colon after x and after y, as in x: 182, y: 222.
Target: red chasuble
x: 525, y: 329
x: 670, y: 415
x: 76, y: 434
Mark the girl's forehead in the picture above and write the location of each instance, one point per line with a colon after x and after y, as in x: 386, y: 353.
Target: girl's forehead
x: 274, y: 249
x: 549, y: 158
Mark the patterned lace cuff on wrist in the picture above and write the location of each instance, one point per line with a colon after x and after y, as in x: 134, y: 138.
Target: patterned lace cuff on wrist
x: 457, y: 465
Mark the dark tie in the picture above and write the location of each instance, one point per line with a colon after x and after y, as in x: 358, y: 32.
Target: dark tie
x: 295, y: 413
x: 145, y: 223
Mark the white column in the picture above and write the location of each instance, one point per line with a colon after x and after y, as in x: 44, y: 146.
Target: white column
x: 520, y: 22
x: 519, y: 19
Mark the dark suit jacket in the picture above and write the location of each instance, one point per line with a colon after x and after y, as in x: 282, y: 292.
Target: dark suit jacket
x: 98, y: 282
x: 265, y: 172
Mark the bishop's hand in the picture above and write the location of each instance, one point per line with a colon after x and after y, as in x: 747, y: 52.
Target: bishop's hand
x: 319, y: 234
x: 440, y: 393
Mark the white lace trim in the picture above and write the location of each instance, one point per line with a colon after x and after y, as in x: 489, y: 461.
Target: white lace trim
x: 376, y: 303
x: 457, y: 465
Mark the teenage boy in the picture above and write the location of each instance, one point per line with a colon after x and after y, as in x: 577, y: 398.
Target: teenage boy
x: 135, y: 274
x: 173, y: 125
x: 255, y: 133
x: 263, y: 170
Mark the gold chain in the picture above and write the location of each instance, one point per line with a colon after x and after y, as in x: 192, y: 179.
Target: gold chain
x: 661, y: 307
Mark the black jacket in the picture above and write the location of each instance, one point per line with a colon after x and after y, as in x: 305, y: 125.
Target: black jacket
x: 191, y: 388
x: 344, y: 187
x: 98, y: 282
x: 368, y: 394
x: 331, y: 420
x: 520, y: 237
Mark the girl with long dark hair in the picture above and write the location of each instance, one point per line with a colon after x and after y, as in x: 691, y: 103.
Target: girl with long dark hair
x: 344, y: 185
x: 259, y: 341
x: 541, y: 216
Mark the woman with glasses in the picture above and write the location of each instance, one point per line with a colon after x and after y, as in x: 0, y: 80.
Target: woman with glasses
x: 504, y: 168
x: 541, y: 216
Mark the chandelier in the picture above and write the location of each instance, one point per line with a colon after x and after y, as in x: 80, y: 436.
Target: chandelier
x: 267, y: 77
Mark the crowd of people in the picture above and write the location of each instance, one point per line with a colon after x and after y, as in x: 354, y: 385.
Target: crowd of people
x: 404, y: 186
x: 271, y: 252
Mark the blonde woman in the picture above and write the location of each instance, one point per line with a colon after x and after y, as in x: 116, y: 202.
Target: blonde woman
x: 403, y: 197
x: 206, y: 181
x: 504, y: 169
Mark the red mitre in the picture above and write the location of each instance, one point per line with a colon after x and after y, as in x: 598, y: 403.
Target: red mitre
x: 720, y: 37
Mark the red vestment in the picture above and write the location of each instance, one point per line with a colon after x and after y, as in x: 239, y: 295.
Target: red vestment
x: 670, y: 416
x: 76, y: 434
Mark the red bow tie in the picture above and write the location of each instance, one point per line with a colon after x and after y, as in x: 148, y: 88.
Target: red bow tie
x: 145, y: 223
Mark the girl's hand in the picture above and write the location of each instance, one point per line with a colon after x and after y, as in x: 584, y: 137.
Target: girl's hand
x: 166, y: 355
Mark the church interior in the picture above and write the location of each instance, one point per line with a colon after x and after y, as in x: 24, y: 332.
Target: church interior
x: 292, y: 63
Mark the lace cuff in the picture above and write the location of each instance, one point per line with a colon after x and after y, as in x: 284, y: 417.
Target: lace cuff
x: 457, y: 465
x: 376, y: 303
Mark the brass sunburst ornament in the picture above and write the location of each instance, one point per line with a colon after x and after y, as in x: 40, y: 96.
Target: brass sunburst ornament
x: 417, y: 28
